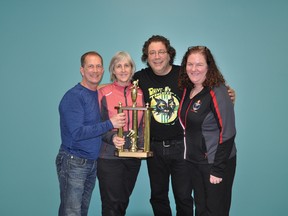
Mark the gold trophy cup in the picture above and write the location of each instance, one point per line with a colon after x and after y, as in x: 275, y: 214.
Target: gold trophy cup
x: 134, y: 150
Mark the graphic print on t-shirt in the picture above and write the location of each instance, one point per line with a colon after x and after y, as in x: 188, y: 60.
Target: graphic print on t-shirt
x: 165, y: 105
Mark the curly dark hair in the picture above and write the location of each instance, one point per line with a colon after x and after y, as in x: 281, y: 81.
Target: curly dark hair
x: 158, y: 38
x: 213, y: 77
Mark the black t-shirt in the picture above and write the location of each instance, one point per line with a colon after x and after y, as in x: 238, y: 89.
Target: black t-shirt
x: 163, y: 95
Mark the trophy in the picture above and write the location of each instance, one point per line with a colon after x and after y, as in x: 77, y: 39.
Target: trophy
x: 134, y: 150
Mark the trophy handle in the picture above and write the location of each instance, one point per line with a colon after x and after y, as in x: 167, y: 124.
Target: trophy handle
x: 147, y: 119
x: 134, y: 137
x: 120, y: 130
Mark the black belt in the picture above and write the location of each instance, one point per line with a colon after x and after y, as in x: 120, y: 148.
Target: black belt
x: 167, y: 143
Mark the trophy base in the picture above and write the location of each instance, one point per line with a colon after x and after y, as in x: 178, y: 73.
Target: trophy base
x: 136, y: 154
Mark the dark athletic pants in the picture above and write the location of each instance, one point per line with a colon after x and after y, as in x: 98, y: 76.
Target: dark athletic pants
x: 117, y: 178
x: 212, y: 199
x: 168, y: 161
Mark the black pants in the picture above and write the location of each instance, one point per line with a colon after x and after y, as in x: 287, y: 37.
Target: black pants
x: 212, y: 199
x: 117, y: 179
x: 168, y: 161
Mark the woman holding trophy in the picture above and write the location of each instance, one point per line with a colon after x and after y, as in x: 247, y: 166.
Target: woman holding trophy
x: 117, y: 175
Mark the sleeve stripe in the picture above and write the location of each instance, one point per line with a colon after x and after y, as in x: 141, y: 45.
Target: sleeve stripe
x: 212, y: 93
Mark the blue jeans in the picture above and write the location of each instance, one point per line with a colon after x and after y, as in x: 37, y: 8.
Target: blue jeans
x: 77, y: 177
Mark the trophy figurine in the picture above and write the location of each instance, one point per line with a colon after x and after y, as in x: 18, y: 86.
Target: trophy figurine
x: 134, y: 150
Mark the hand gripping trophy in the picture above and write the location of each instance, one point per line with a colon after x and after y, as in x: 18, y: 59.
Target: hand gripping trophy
x: 133, y: 150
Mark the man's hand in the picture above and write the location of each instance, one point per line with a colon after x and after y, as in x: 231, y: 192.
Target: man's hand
x: 232, y: 94
x: 118, y: 120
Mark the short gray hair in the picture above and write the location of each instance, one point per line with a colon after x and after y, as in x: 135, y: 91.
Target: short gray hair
x: 119, y: 56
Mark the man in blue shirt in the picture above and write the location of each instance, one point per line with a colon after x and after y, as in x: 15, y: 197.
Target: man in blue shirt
x: 81, y: 133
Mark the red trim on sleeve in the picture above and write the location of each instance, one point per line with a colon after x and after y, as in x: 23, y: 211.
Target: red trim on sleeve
x: 212, y: 93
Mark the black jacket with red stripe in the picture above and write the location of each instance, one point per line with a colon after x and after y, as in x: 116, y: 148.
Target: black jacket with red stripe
x: 208, y: 121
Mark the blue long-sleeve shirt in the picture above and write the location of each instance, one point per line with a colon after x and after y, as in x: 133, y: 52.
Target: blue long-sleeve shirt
x: 80, y: 123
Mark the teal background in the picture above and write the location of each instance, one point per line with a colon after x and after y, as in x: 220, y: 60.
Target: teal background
x: 40, y: 46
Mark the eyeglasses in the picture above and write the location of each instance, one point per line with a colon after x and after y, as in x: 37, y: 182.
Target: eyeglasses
x: 160, y: 52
